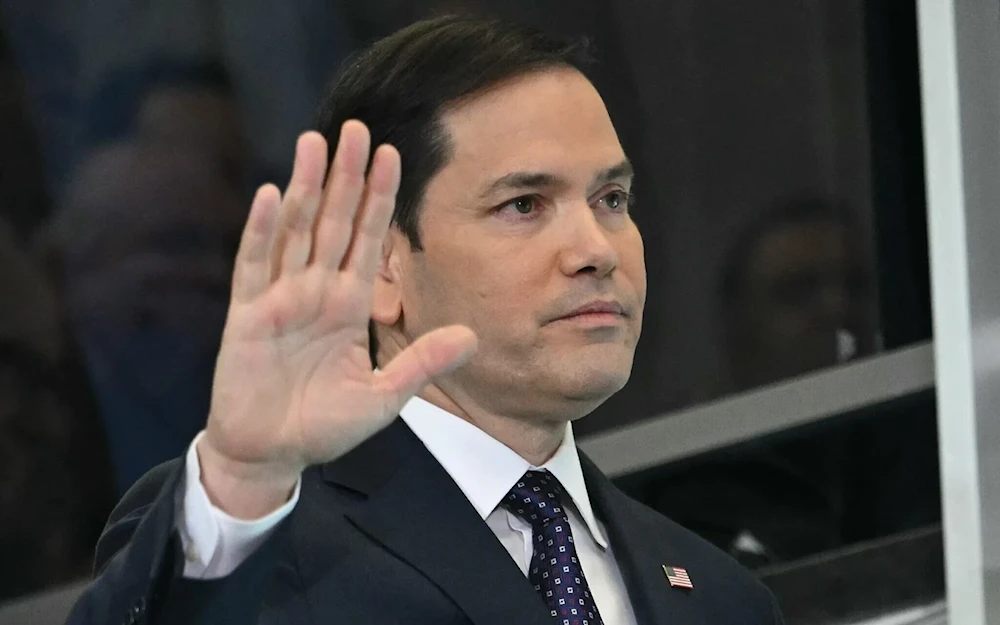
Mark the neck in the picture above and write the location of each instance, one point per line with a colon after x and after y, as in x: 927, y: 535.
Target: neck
x: 534, y: 441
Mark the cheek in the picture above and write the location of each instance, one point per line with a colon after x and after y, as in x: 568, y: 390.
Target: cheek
x: 506, y: 294
x: 462, y: 274
x: 480, y: 285
x: 632, y: 261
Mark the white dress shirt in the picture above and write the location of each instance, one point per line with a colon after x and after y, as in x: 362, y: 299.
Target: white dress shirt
x: 482, y: 467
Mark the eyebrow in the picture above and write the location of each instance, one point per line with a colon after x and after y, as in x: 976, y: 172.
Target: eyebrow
x: 617, y: 172
x: 520, y: 180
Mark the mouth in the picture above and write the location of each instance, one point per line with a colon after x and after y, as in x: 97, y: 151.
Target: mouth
x: 596, y: 313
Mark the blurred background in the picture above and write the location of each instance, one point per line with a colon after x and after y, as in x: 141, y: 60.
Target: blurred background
x: 783, y: 389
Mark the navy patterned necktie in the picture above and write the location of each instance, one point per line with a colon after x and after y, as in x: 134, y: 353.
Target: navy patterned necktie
x: 555, y: 570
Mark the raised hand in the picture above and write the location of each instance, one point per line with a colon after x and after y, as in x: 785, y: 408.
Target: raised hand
x: 294, y: 385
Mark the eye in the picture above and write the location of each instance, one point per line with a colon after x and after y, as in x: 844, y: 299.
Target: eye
x: 524, y: 205
x: 617, y: 200
x: 521, y: 208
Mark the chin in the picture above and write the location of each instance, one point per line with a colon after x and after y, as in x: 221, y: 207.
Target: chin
x: 596, y: 381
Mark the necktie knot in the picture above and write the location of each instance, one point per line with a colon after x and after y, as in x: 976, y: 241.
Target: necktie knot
x: 536, y: 498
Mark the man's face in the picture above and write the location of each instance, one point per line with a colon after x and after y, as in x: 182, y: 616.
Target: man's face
x: 527, y: 223
x: 805, y: 285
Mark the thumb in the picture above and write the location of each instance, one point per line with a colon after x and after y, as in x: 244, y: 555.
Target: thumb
x: 438, y: 352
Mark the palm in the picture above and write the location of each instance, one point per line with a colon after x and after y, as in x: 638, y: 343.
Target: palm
x: 294, y: 384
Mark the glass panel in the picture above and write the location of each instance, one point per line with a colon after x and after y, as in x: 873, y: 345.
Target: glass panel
x: 781, y: 195
x: 818, y: 494
x: 898, y: 580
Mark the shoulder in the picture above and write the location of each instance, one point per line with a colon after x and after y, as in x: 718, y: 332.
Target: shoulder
x: 713, y: 571
x: 726, y: 591
x: 683, y: 540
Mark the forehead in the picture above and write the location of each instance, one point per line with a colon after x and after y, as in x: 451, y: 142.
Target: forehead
x: 552, y: 120
x: 795, y: 247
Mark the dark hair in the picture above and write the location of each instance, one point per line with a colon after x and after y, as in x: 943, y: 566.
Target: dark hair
x: 790, y: 211
x: 400, y: 85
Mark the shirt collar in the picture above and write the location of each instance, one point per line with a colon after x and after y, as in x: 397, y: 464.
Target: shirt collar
x: 485, y: 469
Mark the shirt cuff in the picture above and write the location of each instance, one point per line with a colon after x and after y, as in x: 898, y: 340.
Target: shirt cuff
x: 215, y: 543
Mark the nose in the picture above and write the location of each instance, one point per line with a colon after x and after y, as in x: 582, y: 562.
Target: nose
x: 587, y: 246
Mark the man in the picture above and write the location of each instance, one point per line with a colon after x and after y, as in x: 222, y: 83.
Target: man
x: 507, y: 296
x: 797, y: 292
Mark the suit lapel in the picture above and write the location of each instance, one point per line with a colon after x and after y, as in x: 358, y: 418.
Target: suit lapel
x: 641, y: 548
x: 417, y: 512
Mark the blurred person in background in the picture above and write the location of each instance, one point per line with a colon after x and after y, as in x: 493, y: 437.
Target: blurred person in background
x: 145, y: 238
x: 55, y: 475
x: 797, y: 293
x: 796, y: 296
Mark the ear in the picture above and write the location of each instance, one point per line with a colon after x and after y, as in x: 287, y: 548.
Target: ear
x: 387, y: 300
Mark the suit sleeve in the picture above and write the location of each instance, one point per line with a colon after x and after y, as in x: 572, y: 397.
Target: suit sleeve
x: 776, y: 617
x: 139, y: 566
x: 214, y: 543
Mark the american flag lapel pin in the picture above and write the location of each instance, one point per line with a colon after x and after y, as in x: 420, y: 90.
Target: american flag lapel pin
x: 678, y: 577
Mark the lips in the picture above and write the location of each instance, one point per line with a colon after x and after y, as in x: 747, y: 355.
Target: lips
x: 596, y: 307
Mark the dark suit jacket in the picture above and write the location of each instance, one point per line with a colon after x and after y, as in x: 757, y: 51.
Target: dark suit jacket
x: 384, y: 535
